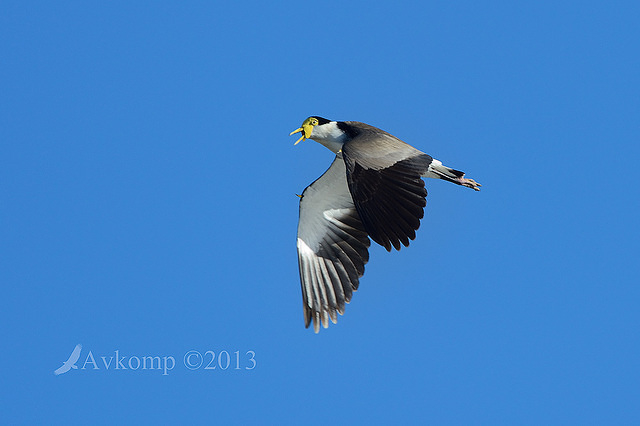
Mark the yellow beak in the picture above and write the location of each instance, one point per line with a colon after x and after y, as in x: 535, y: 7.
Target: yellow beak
x: 306, y: 130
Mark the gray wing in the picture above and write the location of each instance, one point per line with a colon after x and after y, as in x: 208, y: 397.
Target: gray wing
x: 384, y: 175
x: 332, y: 246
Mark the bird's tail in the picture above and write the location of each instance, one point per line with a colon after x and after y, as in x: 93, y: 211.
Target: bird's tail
x: 439, y: 171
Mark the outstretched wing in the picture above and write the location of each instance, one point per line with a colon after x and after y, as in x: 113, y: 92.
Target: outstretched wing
x: 384, y: 177
x: 332, y: 246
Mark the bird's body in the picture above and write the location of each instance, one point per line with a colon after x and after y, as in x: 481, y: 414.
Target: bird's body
x: 373, y: 188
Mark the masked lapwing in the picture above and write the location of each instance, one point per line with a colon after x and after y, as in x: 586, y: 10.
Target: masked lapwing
x: 373, y: 189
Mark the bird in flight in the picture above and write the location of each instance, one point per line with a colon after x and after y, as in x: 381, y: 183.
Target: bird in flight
x: 71, y: 362
x: 373, y: 189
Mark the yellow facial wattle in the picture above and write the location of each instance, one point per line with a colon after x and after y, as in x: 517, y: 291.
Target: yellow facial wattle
x: 306, y: 129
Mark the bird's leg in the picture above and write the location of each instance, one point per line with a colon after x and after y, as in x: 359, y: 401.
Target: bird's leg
x: 469, y: 183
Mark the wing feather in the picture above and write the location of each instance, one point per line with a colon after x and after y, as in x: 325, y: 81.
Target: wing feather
x: 384, y: 176
x: 332, y: 246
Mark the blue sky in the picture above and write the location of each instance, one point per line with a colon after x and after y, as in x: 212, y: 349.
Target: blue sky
x: 148, y: 207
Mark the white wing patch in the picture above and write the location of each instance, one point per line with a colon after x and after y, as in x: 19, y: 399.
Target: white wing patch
x: 334, y: 215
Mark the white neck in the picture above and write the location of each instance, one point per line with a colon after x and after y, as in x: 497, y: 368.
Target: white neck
x: 329, y: 135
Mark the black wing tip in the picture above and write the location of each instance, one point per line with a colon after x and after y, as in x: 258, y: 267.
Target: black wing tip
x: 395, y: 243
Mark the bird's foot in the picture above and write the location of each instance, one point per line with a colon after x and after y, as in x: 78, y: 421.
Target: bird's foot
x: 469, y: 183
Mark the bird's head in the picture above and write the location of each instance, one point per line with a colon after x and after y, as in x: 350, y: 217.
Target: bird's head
x: 307, y: 127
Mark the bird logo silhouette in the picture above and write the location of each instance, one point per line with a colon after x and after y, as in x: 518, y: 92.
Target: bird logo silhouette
x: 71, y: 362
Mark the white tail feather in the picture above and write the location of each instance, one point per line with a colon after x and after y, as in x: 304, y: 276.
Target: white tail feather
x: 438, y: 171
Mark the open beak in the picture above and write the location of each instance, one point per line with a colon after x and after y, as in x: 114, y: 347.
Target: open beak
x: 301, y: 137
x: 306, y: 130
